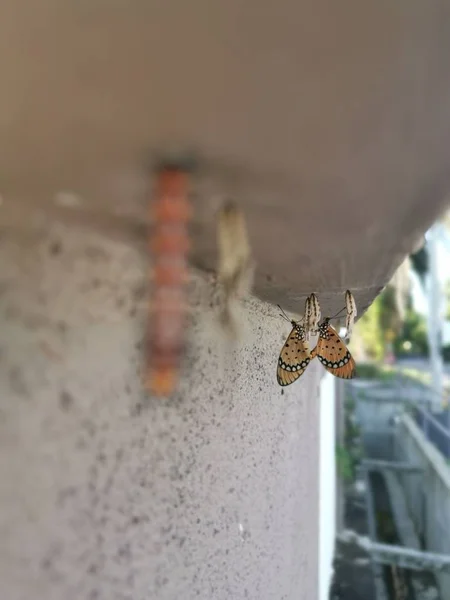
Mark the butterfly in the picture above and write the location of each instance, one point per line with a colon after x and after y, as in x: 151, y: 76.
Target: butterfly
x: 333, y: 353
x: 294, y: 355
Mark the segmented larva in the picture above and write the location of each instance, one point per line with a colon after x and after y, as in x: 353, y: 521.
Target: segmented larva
x: 169, y: 246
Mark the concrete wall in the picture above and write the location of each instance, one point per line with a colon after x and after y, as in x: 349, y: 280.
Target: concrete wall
x: 327, y: 482
x: 427, y: 495
x: 109, y: 494
x: 339, y: 420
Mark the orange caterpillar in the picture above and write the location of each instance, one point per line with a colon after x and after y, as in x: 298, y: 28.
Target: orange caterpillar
x: 169, y: 245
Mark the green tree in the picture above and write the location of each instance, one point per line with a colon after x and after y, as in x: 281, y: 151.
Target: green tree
x: 369, y: 331
x: 389, y: 318
x: 447, y: 298
x: 413, y: 332
x: 382, y: 324
x: 419, y: 262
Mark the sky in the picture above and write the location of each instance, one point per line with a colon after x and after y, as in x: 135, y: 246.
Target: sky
x: 419, y: 294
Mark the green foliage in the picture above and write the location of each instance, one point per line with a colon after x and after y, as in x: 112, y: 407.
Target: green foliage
x: 349, y: 404
x: 446, y: 354
x: 381, y: 324
x: 349, y: 455
x: 369, y: 330
x: 414, y: 331
x: 375, y: 371
x: 419, y: 262
x: 388, y: 317
x: 387, y: 373
x: 447, y: 296
x: 344, y: 464
x: 446, y: 349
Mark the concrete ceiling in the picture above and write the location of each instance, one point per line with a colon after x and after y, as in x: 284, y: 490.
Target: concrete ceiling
x: 328, y: 121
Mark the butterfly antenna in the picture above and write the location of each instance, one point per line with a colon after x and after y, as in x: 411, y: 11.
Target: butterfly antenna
x: 338, y: 313
x: 283, y: 314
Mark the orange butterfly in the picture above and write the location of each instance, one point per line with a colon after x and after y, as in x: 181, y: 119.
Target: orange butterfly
x: 294, y: 356
x: 333, y: 353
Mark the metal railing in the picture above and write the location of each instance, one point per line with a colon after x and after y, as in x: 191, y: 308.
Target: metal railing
x: 407, y: 558
x: 420, y: 400
x: 383, y: 402
x: 434, y: 424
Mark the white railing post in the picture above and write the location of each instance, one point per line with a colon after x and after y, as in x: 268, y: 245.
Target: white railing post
x: 434, y: 320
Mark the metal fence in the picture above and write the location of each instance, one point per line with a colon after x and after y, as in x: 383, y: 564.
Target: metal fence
x: 434, y: 423
x: 419, y: 499
x: 431, y: 413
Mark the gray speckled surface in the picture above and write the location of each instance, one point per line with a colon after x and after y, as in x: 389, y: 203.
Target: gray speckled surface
x: 108, y: 494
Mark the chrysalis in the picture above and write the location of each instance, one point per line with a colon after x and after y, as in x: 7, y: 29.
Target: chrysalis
x: 315, y: 313
x: 235, y: 265
x: 307, y: 317
x: 350, y: 305
x: 312, y: 315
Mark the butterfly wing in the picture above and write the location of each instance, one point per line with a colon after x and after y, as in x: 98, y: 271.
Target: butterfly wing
x: 294, y: 357
x: 333, y: 353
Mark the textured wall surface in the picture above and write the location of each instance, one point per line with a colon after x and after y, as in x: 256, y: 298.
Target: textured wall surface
x: 109, y: 494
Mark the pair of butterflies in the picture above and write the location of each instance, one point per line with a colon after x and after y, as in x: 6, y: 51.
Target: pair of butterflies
x: 331, y: 351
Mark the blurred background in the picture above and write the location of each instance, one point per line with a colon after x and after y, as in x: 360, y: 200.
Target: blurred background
x: 407, y: 327
x: 393, y: 437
